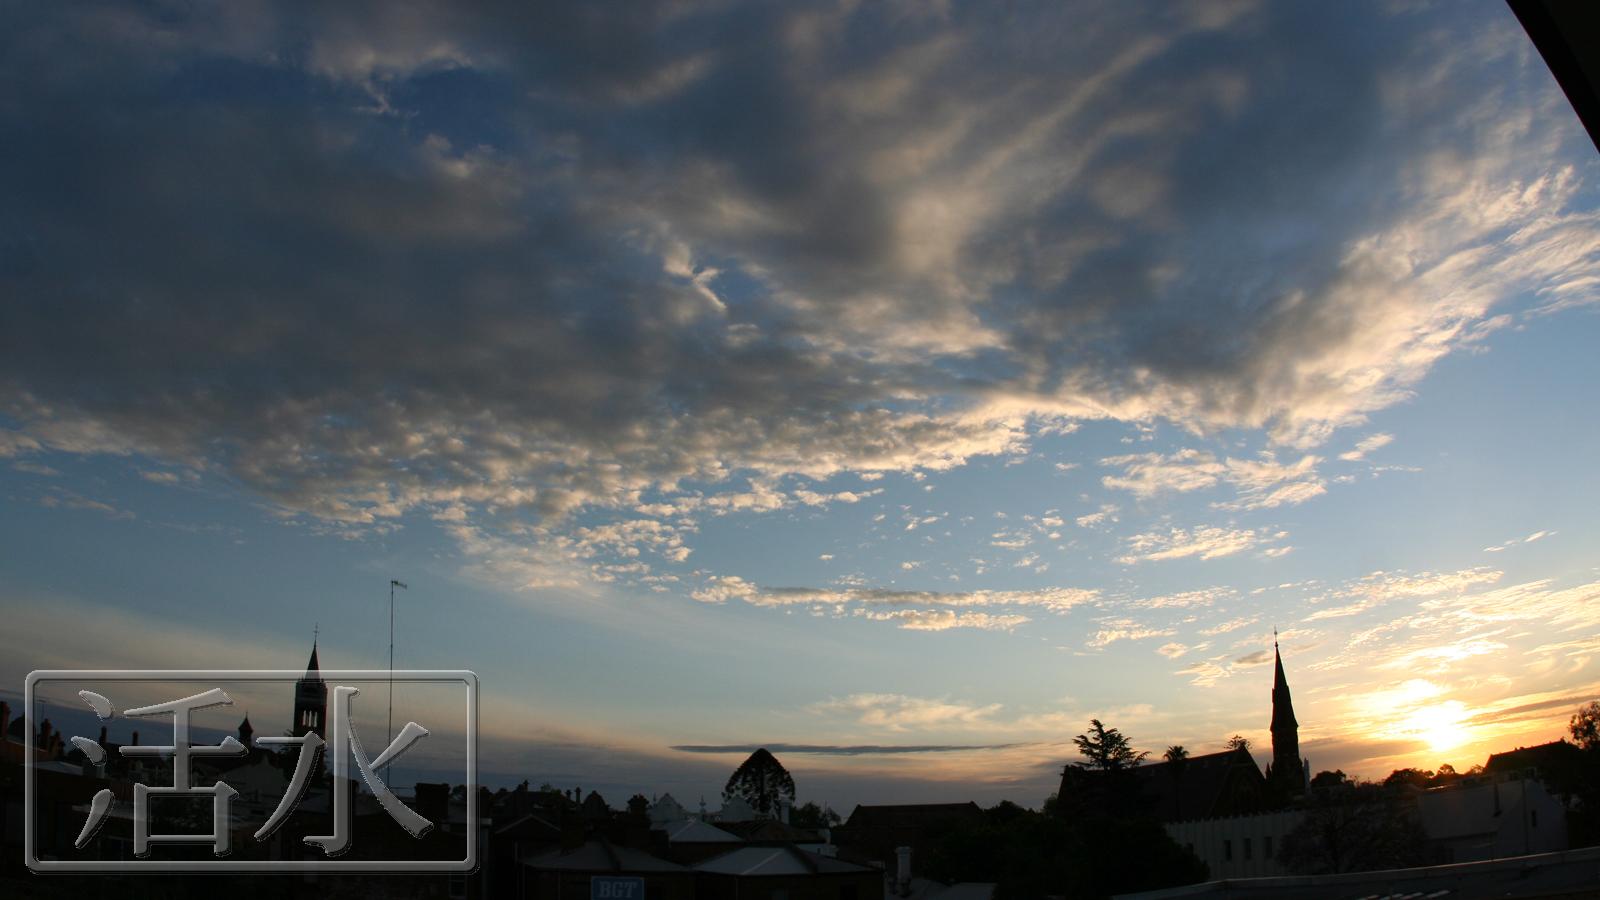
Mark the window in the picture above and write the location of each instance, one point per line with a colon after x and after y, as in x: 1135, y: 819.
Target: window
x: 1246, y: 848
x: 1266, y: 846
x: 1227, y: 850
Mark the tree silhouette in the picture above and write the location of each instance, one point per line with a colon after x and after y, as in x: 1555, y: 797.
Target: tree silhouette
x: 1177, y: 757
x: 1107, y: 749
x: 811, y: 815
x: 761, y: 781
x: 1238, y: 742
x: 1585, y: 726
x: 1359, y: 829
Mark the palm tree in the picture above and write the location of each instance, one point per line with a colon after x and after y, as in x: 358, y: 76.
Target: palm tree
x: 1177, y: 755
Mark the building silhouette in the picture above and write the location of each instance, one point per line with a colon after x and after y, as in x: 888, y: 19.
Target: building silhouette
x: 1287, y: 772
x: 310, y: 699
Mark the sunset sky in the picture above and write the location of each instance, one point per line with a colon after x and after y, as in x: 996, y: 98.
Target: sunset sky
x: 894, y: 385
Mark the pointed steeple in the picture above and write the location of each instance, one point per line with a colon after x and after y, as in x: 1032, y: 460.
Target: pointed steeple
x: 1282, y: 706
x: 313, y: 670
x: 1288, y: 773
x: 310, y: 697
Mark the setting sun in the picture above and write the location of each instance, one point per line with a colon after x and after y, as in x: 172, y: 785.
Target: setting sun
x: 1440, y: 725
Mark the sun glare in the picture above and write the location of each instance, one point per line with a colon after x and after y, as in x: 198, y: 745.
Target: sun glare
x: 1440, y: 725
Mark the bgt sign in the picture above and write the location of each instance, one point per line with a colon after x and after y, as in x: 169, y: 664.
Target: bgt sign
x: 311, y: 800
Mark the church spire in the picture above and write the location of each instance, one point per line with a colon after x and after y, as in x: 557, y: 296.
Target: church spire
x: 1287, y: 770
x: 313, y: 670
x: 1282, y: 705
x: 310, y: 697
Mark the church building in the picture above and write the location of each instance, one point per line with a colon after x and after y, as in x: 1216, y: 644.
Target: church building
x: 310, y: 699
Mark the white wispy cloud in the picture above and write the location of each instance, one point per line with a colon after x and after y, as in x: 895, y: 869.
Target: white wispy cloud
x: 1206, y: 542
x: 1261, y: 483
x: 1366, y: 445
x: 1536, y: 536
x: 944, y: 619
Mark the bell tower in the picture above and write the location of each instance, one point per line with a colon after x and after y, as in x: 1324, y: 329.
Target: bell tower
x: 310, y: 699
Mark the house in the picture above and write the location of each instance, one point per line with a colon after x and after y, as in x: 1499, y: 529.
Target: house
x: 1491, y: 817
x: 570, y: 872
x: 666, y: 811
x: 1211, y: 785
x: 786, y: 871
x: 693, y: 841
x: 873, y: 835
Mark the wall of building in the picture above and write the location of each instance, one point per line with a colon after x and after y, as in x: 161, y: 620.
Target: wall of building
x: 1237, y: 846
x: 1492, y: 819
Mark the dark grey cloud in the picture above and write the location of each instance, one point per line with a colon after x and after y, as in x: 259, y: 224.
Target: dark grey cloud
x: 503, y: 261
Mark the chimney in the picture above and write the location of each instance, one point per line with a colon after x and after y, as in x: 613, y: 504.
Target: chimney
x: 136, y: 738
x: 902, y: 871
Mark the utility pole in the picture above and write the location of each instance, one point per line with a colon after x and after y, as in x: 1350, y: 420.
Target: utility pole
x: 389, y: 733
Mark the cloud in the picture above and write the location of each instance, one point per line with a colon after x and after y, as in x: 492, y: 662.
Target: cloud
x: 1366, y: 445
x: 1209, y: 542
x: 898, y: 712
x: 1107, y: 513
x: 911, y: 610
x: 1115, y: 630
x: 1172, y: 650
x: 944, y: 619
x: 1262, y: 483
x: 530, y: 276
x: 1249, y: 660
x: 1537, y: 535
x: 61, y: 498
x: 1382, y: 587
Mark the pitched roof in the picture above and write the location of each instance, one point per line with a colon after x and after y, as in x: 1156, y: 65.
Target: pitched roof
x: 911, y: 815
x: 767, y: 861
x: 530, y: 825
x: 695, y: 831
x: 602, y: 856
x: 1200, y: 787
x: 770, y: 831
x: 1552, y: 758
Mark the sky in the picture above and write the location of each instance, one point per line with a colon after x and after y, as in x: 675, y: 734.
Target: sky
x: 897, y: 386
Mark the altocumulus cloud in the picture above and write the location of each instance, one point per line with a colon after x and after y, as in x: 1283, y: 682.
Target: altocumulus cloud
x: 502, y: 267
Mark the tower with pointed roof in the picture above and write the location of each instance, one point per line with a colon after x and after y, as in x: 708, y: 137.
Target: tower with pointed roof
x: 310, y: 699
x: 1287, y: 773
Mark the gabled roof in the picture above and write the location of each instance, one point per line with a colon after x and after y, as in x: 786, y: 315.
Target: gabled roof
x: 770, y: 831
x: 911, y: 815
x: 1202, y: 786
x: 1552, y: 758
x: 528, y: 825
x: 602, y: 856
x: 695, y: 831
x: 756, y: 862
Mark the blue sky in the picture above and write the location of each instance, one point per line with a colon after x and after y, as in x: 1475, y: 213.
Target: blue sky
x: 899, y: 377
